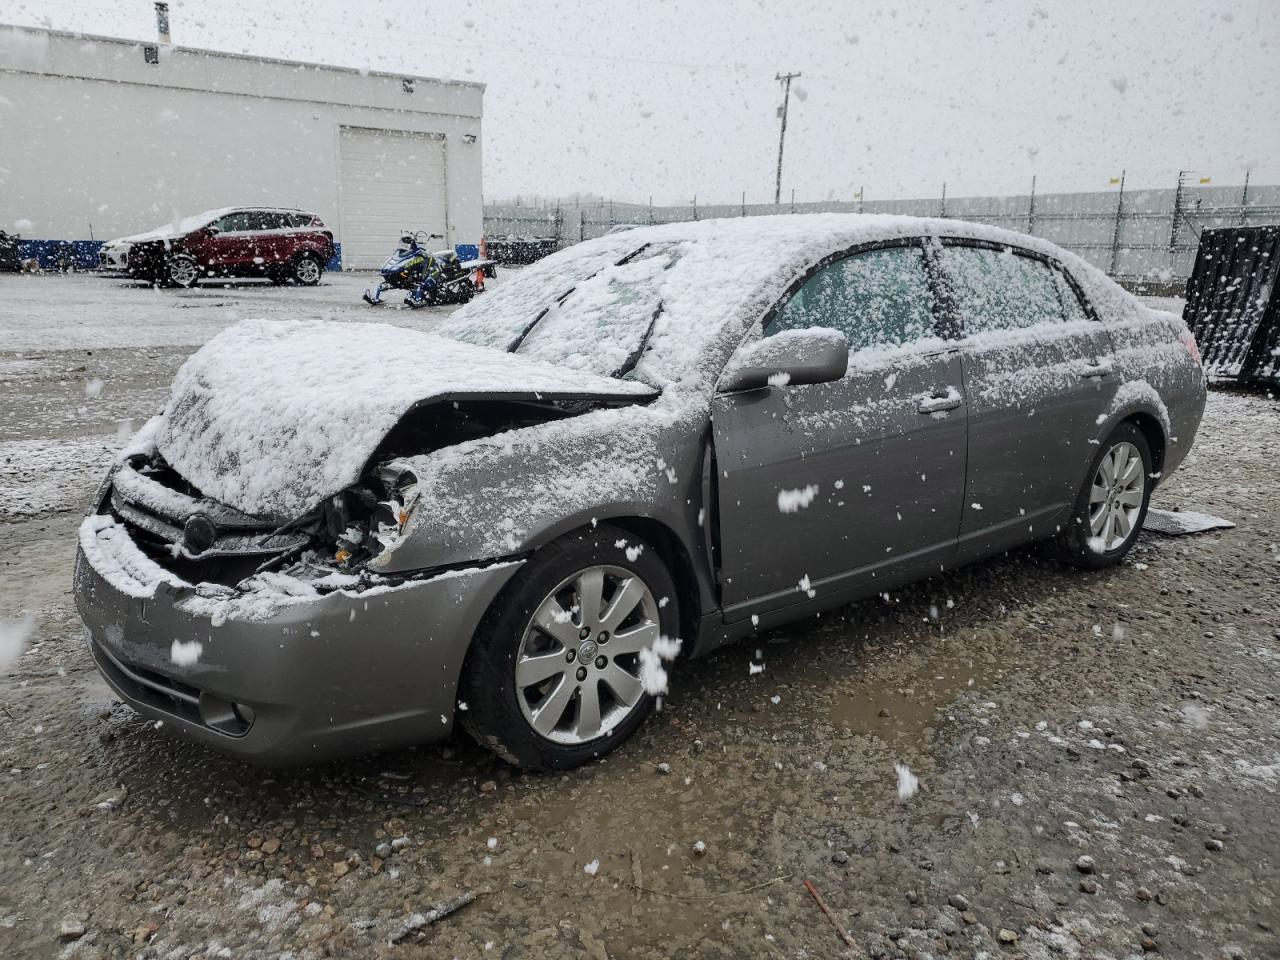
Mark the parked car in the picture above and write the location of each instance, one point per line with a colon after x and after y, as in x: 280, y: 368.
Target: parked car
x: 341, y: 538
x: 278, y: 244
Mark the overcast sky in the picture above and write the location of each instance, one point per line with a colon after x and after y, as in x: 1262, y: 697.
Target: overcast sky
x: 673, y: 99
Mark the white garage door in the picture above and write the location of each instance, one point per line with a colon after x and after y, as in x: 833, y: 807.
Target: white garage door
x: 392, y: 181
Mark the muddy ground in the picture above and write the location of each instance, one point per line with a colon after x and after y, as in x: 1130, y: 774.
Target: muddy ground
x: 1128, y: 717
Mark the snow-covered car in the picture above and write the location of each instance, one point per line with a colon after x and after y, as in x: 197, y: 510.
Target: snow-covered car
x: 277, y: 243
x: 339, y: 538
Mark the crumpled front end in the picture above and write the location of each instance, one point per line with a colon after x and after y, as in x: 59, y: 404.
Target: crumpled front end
x: 248, y: 634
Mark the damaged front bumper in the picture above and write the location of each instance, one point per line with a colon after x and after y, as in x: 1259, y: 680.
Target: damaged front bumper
x: 280, y: 677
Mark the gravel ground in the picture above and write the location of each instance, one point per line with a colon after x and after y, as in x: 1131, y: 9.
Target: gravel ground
x: 1098, y: 754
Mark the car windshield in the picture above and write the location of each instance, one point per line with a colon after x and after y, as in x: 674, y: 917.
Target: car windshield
x: 595, y: 317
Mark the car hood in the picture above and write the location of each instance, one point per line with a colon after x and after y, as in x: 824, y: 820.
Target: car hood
x: 151, y: 235
x: 271, y: 417
x: 174, y: 230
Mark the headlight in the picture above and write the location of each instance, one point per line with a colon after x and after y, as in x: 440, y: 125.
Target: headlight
x: 366, y: 520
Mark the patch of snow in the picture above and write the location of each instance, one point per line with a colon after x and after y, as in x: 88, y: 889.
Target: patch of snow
x: 908, y: 782
x: 186, y: 654
x: 14, y: 635
x: 793, y: 501
x: 652, y: 672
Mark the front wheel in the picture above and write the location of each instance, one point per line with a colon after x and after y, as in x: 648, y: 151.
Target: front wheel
x: 554, y: 678
x: 182, y: 271
x: 1110, y: 510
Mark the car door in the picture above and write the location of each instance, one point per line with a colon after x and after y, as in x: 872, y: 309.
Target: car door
x: 231, y: 247
x: 271, y: 231
x: 822, y: 489
x: 1037, y: 377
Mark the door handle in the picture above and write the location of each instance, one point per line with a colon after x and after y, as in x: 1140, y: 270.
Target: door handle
x: 940, y: 401
x: 1095, y: 369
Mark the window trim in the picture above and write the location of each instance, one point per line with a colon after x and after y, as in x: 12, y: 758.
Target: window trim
x: 919, y: 243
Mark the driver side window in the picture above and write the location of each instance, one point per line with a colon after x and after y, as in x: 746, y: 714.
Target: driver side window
x: 880, y: 298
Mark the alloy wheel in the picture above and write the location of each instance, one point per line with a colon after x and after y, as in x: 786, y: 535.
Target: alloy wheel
x: 1116, y: 494
x: 307, y: 271
x: 578, y: 667
x: 183, y: 271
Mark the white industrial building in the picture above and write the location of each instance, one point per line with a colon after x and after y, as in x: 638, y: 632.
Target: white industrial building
x: 100, y: 138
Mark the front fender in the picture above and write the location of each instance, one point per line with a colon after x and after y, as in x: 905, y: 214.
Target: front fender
x: 514, y: 492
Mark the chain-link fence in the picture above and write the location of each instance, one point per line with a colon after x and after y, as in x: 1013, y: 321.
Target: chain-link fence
x: 1136, y: 235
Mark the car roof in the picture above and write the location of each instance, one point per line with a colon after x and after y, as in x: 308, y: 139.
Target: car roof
x: 723, y: 274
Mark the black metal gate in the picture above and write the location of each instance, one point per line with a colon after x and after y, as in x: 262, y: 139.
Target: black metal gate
x: 1233, y: 302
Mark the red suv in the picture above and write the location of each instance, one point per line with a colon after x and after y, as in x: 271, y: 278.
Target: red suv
x: 279, y: 244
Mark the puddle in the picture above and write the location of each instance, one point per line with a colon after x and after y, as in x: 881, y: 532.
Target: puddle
x: 907, y: 708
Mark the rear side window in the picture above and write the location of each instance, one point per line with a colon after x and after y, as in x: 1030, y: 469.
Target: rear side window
x: 1000, y: 289
x: 268, y: 220
x: 880, y: 298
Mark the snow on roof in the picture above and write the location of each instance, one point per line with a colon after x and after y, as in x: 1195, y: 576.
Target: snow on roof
x: 713, y: 279
x: 184, y: 225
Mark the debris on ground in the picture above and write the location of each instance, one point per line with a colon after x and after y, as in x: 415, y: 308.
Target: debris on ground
x: 416, y: 921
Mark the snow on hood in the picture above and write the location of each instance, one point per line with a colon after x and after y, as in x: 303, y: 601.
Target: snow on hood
x: 180, y: 227
x: 270, y: 417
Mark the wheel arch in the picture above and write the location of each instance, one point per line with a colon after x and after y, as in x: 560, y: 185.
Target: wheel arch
x: 1151, y: 429
x: 679, y: 564
x: 692, y: 600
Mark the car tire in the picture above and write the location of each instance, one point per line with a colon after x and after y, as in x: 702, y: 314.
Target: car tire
x: 182, y: 270
x: 538, y: 724
x: 1109, y: 510
x: 306, y: 270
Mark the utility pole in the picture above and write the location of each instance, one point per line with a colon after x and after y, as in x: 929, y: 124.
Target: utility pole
x: 943, y: 210
x: 1177, y: 211
x: 785, y: 79
x: 1244, y: 200
x: 1115, y: 236
x: 1031, y: 209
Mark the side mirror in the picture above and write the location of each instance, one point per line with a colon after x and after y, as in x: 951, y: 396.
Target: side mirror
x: 794, y: 357
x: 212, y: 230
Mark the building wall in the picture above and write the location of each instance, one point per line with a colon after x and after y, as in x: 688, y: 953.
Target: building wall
x: 92, y: 138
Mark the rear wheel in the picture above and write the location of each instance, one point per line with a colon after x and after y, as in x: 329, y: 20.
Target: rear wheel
x: 1110, y: 510
x: 554, y: 678
x: 182, y: 270
x: 307, y: 270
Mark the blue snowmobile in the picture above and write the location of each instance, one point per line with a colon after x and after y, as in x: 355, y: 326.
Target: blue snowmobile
x: 431, y: 278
